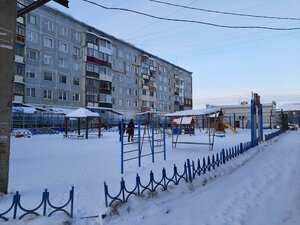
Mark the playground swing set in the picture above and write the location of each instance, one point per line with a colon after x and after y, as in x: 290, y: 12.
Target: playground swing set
x: 179, y: 117
x: 137, y: 150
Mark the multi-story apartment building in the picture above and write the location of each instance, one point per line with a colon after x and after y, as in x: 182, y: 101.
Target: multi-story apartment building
x: 70, y: 64
x: 19, y: 74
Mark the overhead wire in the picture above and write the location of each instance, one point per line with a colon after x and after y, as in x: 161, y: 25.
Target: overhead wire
x: 225, y: 13
x: 192, y: 21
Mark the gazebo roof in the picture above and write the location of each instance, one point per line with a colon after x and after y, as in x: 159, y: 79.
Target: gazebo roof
x: 82, y: 113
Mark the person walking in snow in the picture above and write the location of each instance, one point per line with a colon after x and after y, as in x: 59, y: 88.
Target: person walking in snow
x: 120, y: 128
x: 130, y: 130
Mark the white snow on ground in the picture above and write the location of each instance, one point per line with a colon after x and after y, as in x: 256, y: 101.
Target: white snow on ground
x: 242, y: 193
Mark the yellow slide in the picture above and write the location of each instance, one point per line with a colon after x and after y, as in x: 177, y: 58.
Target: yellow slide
x: 230, y: 128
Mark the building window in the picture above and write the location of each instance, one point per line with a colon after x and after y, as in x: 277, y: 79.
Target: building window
x: 63, y: 63
x: 76, y: 36
x: 129, y: 91
x: 144, y: 103
x: 31, y: 54
x: 144, y: 92
x: 120, y: 102
x: 47, y: 94
x: 151, y: 93
x: 120, y: 77
x: 76, y: 52
x: 92, y: 68
x: 63, y: 31
x: 135, y: 104
x: 121, y: 66
x: 76, y: 66
x: 62, y: 95
x: 20, y: 69
x: 30, y: 92
x: 62, y: 79
x: 49, y: 25
x: 76, y: 97
x: 48, y: 76
x: 120, y: 90
x: 48, y: 59
x: 49, y: 42
x: 63, y: 47
x: 105, y: 43
x: 30, y: 73
x: 76, y: 81
x: 32, y: 36
x: 32, y: 19
x: 128, y: 56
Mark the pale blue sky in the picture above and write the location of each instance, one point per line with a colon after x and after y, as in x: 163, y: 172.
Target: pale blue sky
x: 227, y: 64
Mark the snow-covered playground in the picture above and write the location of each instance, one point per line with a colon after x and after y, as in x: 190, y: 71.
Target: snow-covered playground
x: 260, y: 187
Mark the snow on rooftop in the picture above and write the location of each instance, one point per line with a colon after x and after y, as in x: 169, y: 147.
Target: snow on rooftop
x: 29, y: 110
x: 194, y: 112
x: 82, y: 113
x: 61, y: 110
x: 290, y: 107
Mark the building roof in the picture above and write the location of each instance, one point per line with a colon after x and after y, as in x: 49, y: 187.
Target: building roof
x: 28, y: 110
x: 82, y: 113
x: 183, y: 120
x: 194, y: 112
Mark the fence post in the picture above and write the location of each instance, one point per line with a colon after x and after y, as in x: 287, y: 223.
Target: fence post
x: 164, y: 139
x: 241, y: 148
x: 105, y: 193
x: 223, y: 156
x: 189, y: 170
x: 16, y: 200
x: 122, y: 146
x: 72, y: 200
x: 45, y: 196
x: 123, y: 189
x: 139, y: 143
x: 152, y: 150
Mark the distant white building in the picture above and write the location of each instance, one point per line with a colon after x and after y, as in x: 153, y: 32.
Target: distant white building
x: 239, y: 115
x: 293, y: 112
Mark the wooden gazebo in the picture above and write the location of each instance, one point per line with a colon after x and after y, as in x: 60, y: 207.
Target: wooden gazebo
x: 80, y: 114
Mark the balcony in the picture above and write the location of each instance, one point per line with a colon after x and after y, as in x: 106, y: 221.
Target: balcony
x: 146, y: 77
x: 152, y: 68
x: 19, y: 79
x: 98, y: 61
x: 92, y: 74
x: 145, y: 109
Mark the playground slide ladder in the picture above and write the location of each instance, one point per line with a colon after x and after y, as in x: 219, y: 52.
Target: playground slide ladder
x: 230, y: 127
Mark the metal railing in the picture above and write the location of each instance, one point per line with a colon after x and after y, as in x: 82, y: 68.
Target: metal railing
x: 45, y: 208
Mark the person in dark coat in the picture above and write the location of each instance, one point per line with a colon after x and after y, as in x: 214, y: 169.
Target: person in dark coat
x: 124, y: 128
x: 130, y: 130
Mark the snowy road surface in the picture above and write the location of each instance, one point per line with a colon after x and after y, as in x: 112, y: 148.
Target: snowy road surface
x: 264, y: 191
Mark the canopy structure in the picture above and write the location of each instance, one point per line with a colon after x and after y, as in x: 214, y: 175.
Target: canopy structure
x: 28, y: 110
x: 80, y: 114
x: 181, y: 118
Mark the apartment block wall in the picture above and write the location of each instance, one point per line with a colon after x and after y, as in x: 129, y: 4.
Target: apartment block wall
x: 59, y: 58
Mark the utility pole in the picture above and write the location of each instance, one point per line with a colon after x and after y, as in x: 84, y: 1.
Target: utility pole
x: 8, y: 15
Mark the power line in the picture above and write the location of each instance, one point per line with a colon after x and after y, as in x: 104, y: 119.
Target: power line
x: 226, y: 13
x: 192, y: 21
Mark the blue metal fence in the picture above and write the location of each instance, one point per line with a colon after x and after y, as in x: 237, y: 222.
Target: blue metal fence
x: 190, y: 170
x: 274, y: 134
x: 18, y: 211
